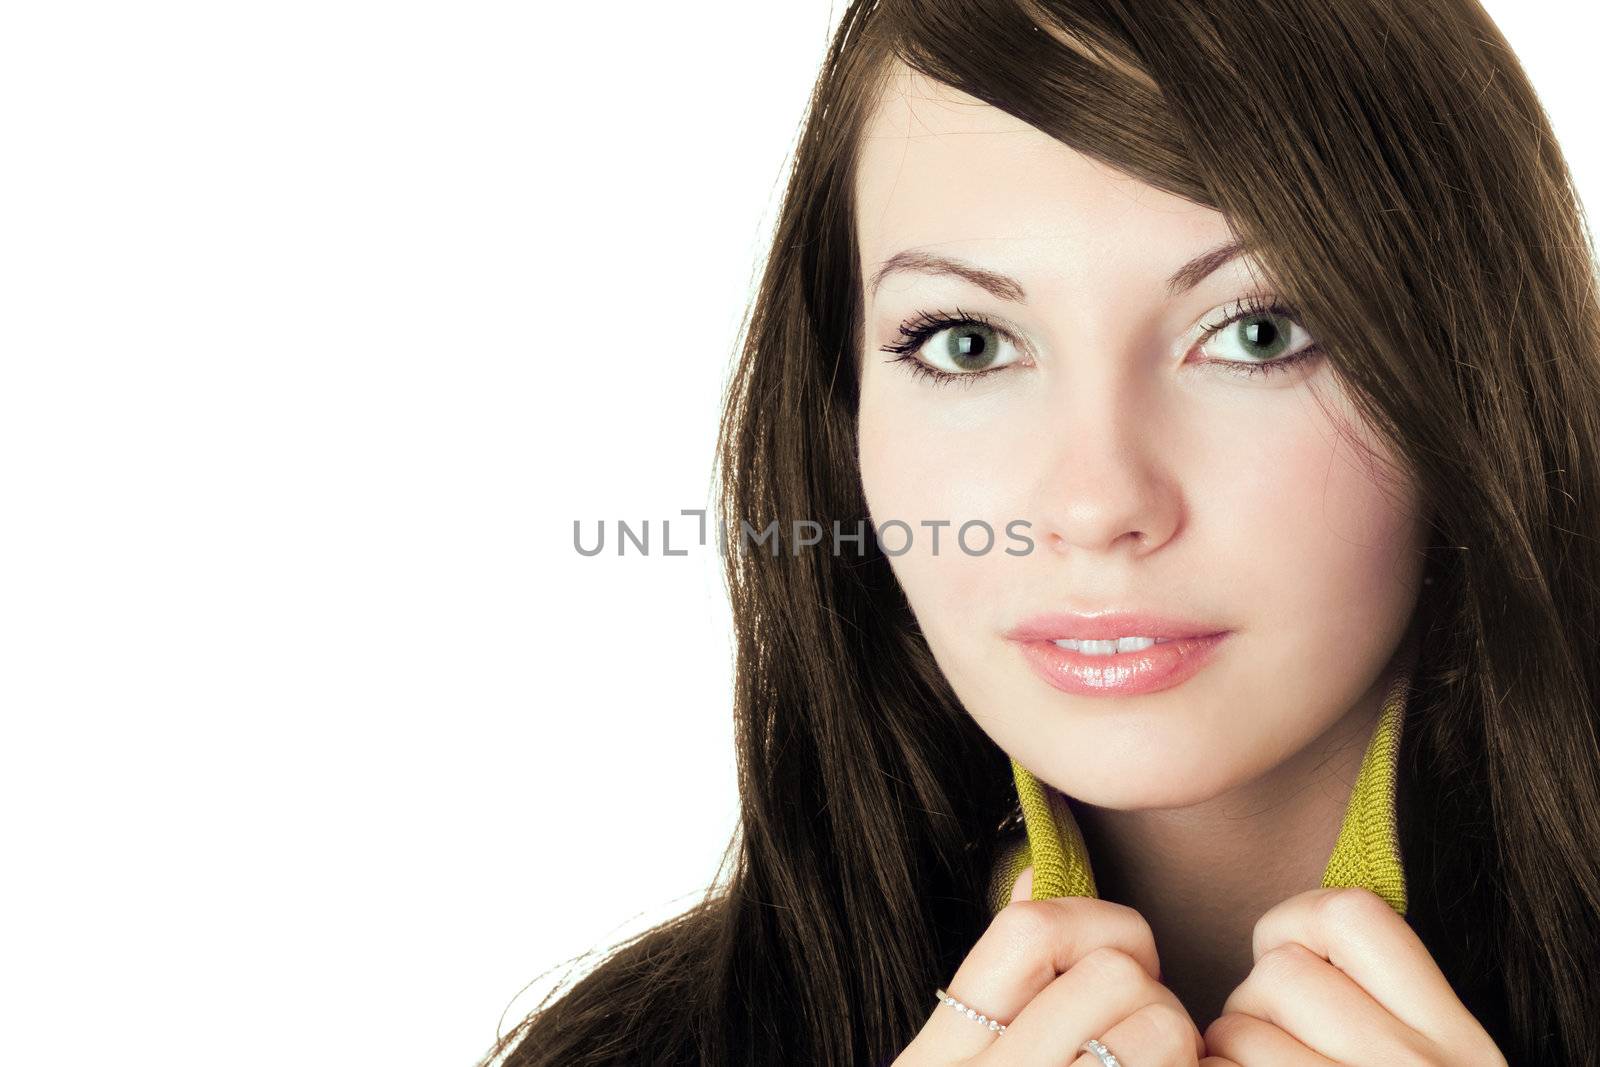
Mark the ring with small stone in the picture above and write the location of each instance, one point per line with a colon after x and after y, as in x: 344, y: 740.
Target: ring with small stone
x: 1107, y: 1057
x: 971, y: 1013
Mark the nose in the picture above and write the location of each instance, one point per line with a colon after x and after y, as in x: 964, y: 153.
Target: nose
x: 1107, y: 485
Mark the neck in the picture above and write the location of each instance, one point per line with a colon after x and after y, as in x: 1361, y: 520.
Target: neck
x: 1202, y: 875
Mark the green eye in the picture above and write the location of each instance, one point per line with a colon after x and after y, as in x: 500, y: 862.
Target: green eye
x: 1256, y: 339
x: 1264, y: 336
x: 968, y: 347
x: 954, y: 347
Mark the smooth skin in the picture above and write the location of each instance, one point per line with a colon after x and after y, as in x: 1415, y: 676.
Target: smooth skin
x: 1152, y: 475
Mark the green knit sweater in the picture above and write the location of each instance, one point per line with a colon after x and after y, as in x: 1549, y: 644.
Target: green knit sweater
x: 1367, y: 852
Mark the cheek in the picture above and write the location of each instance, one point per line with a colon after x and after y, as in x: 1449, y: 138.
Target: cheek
x: 912, y: 470
x: 1324, y: 528
x: 944, y: 467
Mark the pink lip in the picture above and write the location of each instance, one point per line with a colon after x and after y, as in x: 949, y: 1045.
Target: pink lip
x: 1188, y: 648
x: 1107, y: 625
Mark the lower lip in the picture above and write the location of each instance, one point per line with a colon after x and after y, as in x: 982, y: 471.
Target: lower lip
x: 1149, y: 670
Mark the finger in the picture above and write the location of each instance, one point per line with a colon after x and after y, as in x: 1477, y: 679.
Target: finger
x: 950, y: 1035
x: 1032, y: 942
x: 1359, y: 933
x: 1023, y: 890
x: 1233, y: 1037
x: 1318, y: 1006
x: 1153, y: 1034
x: 1101, y: 992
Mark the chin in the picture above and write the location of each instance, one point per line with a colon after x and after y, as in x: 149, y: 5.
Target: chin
x: 1129, y: 762
x: 1140, y: 785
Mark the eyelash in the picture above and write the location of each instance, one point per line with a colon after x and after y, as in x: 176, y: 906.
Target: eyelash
x: 915, y: 331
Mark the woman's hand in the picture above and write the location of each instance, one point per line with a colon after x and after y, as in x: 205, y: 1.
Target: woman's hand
x: 1339, y: 978
x: 1061, y: 971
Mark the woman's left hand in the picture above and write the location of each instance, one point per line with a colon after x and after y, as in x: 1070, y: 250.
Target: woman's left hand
x: 1339, y: 978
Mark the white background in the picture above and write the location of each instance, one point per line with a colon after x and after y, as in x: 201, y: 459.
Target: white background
x: 321, y: 323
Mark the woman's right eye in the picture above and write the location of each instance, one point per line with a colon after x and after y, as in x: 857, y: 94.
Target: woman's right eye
x: 950, y: 347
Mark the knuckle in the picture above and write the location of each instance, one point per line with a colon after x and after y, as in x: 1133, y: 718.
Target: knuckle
x: 1075, y: 909
x: 1146, y: 933
x: 1285, y: 961
x: 1225, y: 1028
x: 1113, y: 965
x: 1169, y: 1027
x: 1348, y: 908
x: 1025, y: 922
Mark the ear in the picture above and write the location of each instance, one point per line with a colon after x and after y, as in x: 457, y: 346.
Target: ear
x: 1023, y: 890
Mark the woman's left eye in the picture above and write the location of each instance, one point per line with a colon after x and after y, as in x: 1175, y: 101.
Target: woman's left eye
x: 1258, y: 338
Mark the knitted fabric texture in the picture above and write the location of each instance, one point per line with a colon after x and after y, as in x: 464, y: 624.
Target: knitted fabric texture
x: 1367, y: 852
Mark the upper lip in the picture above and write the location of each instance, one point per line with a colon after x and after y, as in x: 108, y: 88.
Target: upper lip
x: 1058, y: 626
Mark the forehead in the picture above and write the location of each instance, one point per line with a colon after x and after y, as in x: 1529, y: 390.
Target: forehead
x: 941, y: 170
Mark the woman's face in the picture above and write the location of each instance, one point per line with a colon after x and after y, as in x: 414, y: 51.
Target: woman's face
x: 1153, y: 471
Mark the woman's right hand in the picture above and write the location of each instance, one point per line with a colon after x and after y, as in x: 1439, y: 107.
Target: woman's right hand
x: 1062, y: 971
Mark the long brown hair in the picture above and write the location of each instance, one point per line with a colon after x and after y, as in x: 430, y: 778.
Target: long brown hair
x: 1391, y: 166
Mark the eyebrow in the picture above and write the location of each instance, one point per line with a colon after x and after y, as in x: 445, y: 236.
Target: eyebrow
x: 1004, y: 287
x: 1193, y: 272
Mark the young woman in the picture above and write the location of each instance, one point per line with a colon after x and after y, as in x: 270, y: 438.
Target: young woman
x: 1222, y: 381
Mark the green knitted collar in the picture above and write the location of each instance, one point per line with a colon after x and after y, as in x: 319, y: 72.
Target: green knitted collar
x: 1367, y: 852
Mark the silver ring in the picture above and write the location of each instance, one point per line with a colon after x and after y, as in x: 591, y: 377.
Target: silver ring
x: 1107, y: 1057
x: 971, y: 1013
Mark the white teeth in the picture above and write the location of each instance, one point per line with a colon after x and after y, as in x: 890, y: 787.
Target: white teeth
x: 1108, y: 647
